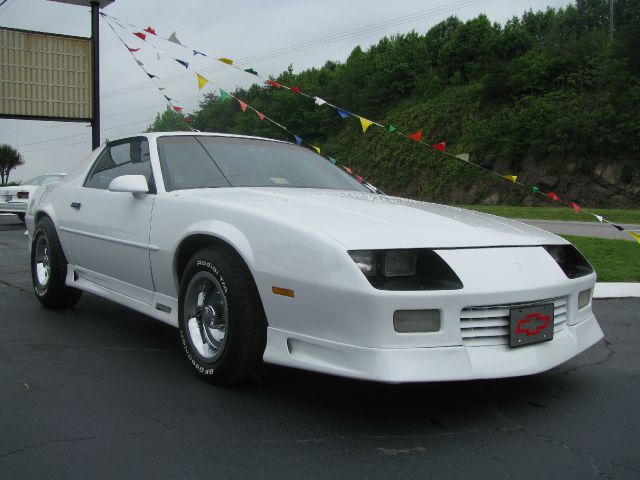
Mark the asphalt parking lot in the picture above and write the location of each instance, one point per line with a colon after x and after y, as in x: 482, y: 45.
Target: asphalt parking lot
x: 100, y: 391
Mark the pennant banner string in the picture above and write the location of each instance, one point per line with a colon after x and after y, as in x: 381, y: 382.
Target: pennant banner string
x: 365, y: 123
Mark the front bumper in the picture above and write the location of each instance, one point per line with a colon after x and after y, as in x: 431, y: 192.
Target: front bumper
x: 399, y: 365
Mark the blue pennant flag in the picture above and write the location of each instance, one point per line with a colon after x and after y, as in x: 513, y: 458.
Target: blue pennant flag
x: 196, y: 52
x: 151, y: 75
x: 343, y: 113
x: 298, y: 140
x: 182, y: 62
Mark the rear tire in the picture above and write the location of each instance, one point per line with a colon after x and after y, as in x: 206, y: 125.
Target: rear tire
x: 223, y: 328
x: 49, y: 268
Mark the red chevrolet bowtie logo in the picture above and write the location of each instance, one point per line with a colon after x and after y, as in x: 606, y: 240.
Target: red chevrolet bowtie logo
x: 532, y: 324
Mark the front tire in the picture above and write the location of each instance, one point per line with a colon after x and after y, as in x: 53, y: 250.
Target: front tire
x: 222, y: 323
x: 49, y: 268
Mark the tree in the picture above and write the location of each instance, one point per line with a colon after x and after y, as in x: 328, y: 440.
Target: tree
x: 169, y: 121
x: 10, y: 158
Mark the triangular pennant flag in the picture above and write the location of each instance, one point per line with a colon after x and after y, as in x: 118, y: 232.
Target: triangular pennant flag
x: 273, y: 83
x: 553, y: 196
x: 343, y: 113
x: 251, y: 71
x: 177, y: 109
x: 223, y: 95
x: 185, y: 119
x: 296, y: 89
x: 151, y: 75
x: 599, y: 217
x: 634, y: 235
x: 228, y: 61
x: 168, y: 99
x: 173, y: 39
x: 391, y: 128
x: 150, y: 30
x: 161, y: 88
x: 139, y: 63
x: 348, y: 170
x: 463, y: 156
x: 332, y: 160
x: 260, y: 115
x: 439, y: 146
x: 416, y: 136
x: 140, y: 35
x: 182, y: 62
x: 535, y: 189
x: 617, y: 227
x: 364, y: 123
x: 359, y: 178
x: 575, y: 206
x: 132, y: 49
x: 201, y: 81
x: 243, y: 105
x: 511, y: 178
x: 319, y: 101
x: 317, y: 149
x: 160, y: 53
x: 196, y: 52
x: 298, y: 140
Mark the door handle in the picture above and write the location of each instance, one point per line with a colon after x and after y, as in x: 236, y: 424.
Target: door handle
x: 76, y: 205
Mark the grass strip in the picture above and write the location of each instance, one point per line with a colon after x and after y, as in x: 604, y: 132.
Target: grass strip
x: 614, y: 260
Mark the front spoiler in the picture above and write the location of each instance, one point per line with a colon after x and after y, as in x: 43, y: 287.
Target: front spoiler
x: 399, y: 365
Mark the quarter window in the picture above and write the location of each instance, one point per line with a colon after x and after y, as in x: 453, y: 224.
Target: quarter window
x: 129, y: 157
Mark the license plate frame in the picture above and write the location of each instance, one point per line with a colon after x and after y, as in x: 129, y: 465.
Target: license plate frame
x: 531, y: 324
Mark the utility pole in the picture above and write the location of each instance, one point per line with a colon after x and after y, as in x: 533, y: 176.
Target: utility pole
x: 611, y: 20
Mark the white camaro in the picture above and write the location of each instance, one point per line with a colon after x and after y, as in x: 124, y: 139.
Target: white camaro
x: 15, y: 199
x: 258, y: 249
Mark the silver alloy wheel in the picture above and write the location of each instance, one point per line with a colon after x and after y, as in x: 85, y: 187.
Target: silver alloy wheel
x: 42, y: 261
x: 207, y: 314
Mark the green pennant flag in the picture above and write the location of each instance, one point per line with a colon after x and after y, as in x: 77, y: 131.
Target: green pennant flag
x: 391, y: 128
x: 251, y: 71
x: 535, y: 189
x: 223, y: 95
x: 332, y: 160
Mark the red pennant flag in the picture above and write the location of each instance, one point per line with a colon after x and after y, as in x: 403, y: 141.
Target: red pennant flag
x: 185, y: 120
x: 359, y: 178
x: 260, y: 115
x: 416, y: 136
x: 132, y: 49
x: 177, y: 109
x: 273, y: 84
x: 243, y: 105
x: 296, y: 90
x: 140, y: 35
x: 553, y: 196
x: 575, y: 206
x: 150, y: 30
x: 439, y: 146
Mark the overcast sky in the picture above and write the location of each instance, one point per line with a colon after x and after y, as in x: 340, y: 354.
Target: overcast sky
x: 235, y: 30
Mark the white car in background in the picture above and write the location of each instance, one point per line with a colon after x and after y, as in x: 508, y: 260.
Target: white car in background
x: 15, y: 199
x: 261, y: 250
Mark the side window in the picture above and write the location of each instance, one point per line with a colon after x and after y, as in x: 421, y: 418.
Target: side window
x: 129, y: 157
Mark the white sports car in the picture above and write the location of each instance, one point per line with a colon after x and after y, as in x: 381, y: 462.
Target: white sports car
x: 15, y: 199
x: 261, y: 250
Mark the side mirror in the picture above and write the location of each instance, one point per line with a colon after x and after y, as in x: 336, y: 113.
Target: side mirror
x: 135, y: 184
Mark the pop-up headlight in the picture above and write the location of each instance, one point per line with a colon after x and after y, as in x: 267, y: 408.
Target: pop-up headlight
x: 570, y: 260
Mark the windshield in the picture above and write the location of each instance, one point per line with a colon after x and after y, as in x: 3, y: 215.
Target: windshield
x: 207, y: 162
x: 43, y: 180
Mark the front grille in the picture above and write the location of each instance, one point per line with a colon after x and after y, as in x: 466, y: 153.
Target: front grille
x: 489, y: 325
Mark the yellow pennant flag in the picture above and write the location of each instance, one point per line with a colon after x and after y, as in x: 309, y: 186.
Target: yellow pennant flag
x: 365, y: 124
x: 634, y: 235
x: 512, y: 178
x: 317, y: 149
x: 201, y: 81
x: 228, y: 61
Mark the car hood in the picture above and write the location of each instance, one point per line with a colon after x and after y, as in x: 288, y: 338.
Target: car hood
x: 361, y: 220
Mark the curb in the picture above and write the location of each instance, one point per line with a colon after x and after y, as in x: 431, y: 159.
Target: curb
x: 616, y: 290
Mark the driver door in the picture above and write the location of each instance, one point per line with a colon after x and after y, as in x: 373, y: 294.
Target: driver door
x: 107, y: 233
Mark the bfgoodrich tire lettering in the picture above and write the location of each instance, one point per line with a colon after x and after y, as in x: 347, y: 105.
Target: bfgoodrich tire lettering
x: 49, y: 268
x: 221, y: 319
